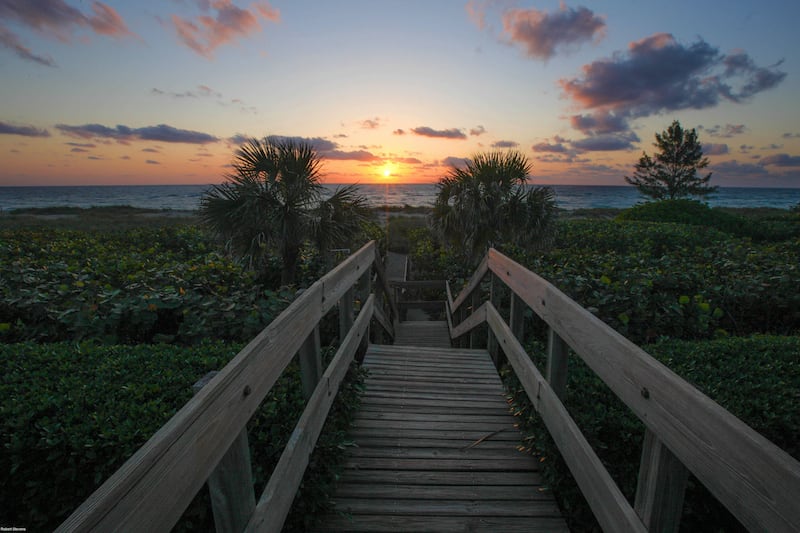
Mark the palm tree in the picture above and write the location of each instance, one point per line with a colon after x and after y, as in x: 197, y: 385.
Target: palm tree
x: 488, y: 202
x: 273, y: 203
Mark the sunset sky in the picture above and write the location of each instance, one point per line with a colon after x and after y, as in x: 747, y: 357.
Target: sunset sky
x: 150, y: 92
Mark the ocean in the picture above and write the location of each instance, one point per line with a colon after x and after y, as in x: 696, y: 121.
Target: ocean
x: 187, y: 197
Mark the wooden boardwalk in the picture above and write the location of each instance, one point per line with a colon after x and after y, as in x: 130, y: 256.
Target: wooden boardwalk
x: 436, y: 447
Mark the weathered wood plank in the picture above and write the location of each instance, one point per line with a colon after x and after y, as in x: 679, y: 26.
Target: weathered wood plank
x: 534, y: 508
x: 445, y: 524
x: 474, y: 320
x: 365, y: 440
x: 275, y: 501
x: 661, y: 487
x: 476, y: 465
x: 418, y: 284
x: 608, y: 504
x: 756, y: 480
x: 440, y: 478
x: 474, y: 283
x: 441, y: 492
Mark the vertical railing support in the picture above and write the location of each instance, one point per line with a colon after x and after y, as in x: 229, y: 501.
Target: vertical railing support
x: 231, y: 483
x: 661, y: 487
x: 516, y: 321
x: 345, y: 313
x: 310, y: 359
x: 475, y: 302
x: 491, y: 342
x: 557, y: 358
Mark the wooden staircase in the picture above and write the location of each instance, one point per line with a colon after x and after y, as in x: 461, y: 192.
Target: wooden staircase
x: 435, y: 446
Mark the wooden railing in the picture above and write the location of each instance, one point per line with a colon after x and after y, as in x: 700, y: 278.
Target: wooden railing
x: 407, y: 295
x: 203, y: 441
x: 685, y: 430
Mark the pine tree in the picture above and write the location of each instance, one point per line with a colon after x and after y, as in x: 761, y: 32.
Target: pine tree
x: 672, y: 171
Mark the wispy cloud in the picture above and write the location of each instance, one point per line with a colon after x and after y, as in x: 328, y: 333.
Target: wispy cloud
x: 56, y: 18
x: 715, y: 149
x: 477, y: 131
x: 399, y: 131
x: 205, y: 33
x: 152, y: 162
x: 370, y: 123
x: 120, y: 133
x: 558, y: 146
x: 451, y: 161
x: 357, y: 155
x: 7, y: 128
x: 725, y: 132
x: 780, y: 160
x: 542, y: 35
x: 426, y: 131
x: 505, y: 144
x: 10, y: 41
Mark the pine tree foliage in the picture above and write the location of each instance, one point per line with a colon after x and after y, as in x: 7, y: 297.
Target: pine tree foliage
x: 672, y: 171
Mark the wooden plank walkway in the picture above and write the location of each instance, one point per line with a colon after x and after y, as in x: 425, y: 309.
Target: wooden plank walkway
x: 436, y: 447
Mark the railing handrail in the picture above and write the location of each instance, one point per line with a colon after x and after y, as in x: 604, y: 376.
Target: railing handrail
x: 153, y: 488
x: 756, y: 480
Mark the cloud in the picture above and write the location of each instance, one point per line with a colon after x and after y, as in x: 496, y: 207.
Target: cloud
x: 152, y: 162
x: 715, y: 149
x: 399, y: 131
x: 780, y: 160
x: 726, y: 132
x: 238, y: 139
x: 599, y: 123
x: 26, y: 131
x: 791, y: 135
x: 477, y: 131
x: 408, y: 160
x: 659, y: 74
x: 120, y: 133
x: 202, y: 91
x: 56, y: 18
x: 557, y: 147
x: 505, y: 144
x: 79, y: 150
x: 735, y: 169
x: 82, y: 145
x: 606, y: 142
x: 151, y: 150
x: 10, y: 41
x: 457, y: 162
x: 318, y: 143
x: 205, y: 33
x: 542, y: 35
x: 359, y: 155
x: 370, y: 123
x: 452, y: 133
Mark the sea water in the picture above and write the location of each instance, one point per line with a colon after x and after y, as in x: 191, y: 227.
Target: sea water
x: 187, y: 197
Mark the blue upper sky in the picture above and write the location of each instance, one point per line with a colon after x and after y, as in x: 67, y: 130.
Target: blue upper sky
x: 163, y: 92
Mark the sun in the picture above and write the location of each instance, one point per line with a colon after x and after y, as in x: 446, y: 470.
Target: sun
x: 387, y: 172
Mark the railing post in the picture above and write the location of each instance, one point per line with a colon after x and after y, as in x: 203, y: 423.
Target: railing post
x: 310, y: 361
x: 474, y: 301
x: 517, y: 318
x: 491, y: 341
x: 661, y: 487
x: 231, y: 483
x: 557, y: 357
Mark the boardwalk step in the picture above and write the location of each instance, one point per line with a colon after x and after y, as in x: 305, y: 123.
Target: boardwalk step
x: 437, y: 450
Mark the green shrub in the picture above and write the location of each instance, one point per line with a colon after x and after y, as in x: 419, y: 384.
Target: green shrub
x: 757, y: 379
x: 694, y: 213
x: 71, y: 414
x: 650, y: 280
x: 145, y: 285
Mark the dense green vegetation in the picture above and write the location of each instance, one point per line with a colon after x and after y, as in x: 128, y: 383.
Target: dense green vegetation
x: 72, y: 413
x: 103, y: 331
x: 711, y: 293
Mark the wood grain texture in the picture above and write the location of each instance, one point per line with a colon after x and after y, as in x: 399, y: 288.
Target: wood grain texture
x: 153, y: 488
x: 757, y: 481
x: 275, y: 501
x: 437, y: 450
x: 608, y: 504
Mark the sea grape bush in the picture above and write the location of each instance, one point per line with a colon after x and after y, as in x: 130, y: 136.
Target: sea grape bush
x: 72, y: 413
x: 147, y: 285
x: 650, y: 280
